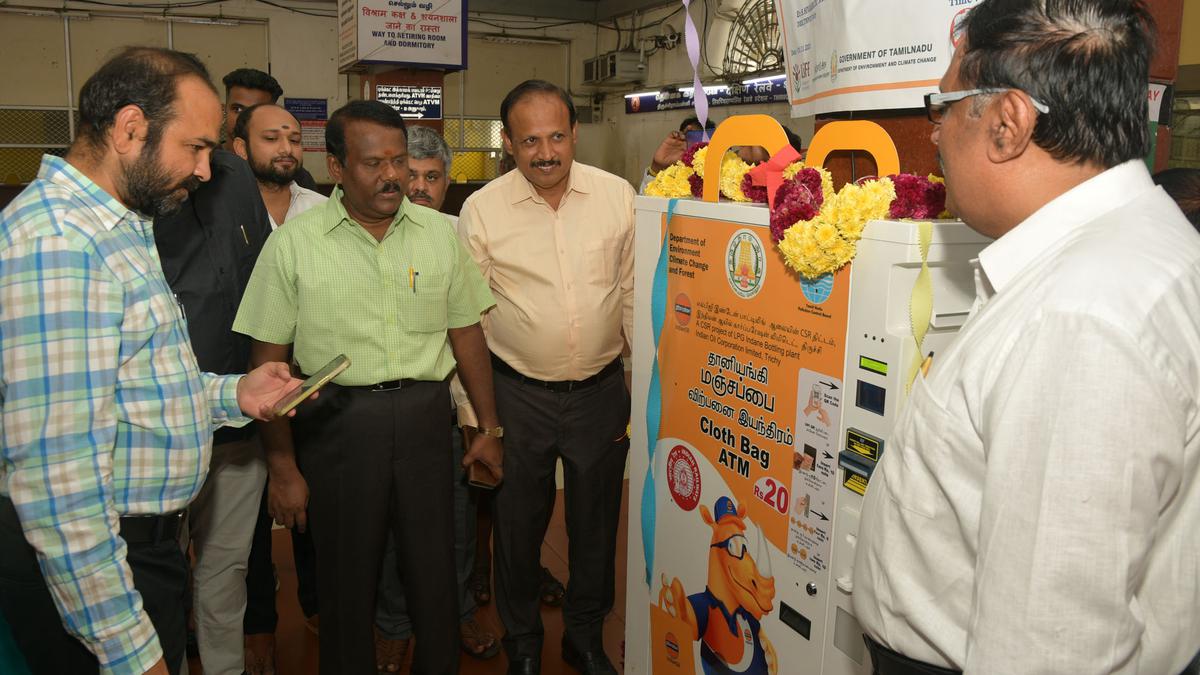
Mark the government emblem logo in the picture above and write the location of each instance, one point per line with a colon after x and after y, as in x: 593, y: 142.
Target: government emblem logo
x: 745, y: 263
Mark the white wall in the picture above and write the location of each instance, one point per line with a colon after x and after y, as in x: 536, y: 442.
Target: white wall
x: 301, y: 52
x: 619, y: 142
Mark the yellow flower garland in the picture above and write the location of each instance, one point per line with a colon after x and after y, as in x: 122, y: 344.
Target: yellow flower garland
x: 733, y: 171
x: 698, y: 161
x: 830, y: 240
x: 813, y: 247
x: 671, y: 182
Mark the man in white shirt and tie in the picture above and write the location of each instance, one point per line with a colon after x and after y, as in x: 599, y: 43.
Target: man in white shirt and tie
x: 1037, y: 509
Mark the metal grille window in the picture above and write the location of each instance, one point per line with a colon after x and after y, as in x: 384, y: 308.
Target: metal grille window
x: 1185, y: 132
x: 25, y: 134
x: 66, y: 46
x: 477, y: 147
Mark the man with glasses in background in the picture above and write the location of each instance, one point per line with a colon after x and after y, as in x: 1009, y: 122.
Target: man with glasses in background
x: 429, y: 162
x: 1038, y: 508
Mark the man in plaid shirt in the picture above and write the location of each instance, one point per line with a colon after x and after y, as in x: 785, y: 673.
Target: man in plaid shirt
x: 105, y: 420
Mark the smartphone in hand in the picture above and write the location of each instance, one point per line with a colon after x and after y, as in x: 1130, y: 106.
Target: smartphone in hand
x: 480, y: 476
x: 306, y: 388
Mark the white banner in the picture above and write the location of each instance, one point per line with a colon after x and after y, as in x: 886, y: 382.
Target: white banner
x: 866, y: 54
x: 418, y: 33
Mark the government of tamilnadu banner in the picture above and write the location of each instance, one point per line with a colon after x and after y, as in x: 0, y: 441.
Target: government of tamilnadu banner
x: 866, y: 54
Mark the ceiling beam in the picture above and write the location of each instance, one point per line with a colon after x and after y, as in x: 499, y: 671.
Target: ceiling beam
x: 611, y: 8
x: 569, y: 10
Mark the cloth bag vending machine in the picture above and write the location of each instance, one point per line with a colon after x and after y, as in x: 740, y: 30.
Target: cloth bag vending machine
x: 762, y: 403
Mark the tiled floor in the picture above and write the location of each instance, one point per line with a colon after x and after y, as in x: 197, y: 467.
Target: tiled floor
x: 297, y: 647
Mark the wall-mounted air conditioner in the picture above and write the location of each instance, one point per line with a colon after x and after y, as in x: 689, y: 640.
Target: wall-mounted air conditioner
x: 614, y: 68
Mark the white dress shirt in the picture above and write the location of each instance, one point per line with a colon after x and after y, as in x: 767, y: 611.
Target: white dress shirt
x: 303, y: 199
x: 1038, y: 509
x: 458, y: 394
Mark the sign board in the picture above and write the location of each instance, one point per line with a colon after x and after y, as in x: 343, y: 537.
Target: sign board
x: 403, y: 33
x: 347, y: 35
x: 1159, y: 97
x: 307, y: 108
x: 415, y: 102
x: 312, y: 135
x: 773, y: 91
x: 866, y: 54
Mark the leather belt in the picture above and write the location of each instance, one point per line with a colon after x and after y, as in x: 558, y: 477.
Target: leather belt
x: 390, y: 385
x: 562, y: 387
x: 888, y: 662
x: 152, y: 529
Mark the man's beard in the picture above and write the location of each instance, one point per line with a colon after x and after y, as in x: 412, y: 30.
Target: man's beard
x: 148, y: 186
x: 268, y: 172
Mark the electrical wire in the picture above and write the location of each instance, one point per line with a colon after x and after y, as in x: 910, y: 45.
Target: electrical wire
x: 661, y: 21
x: 196, y: 3
x: 515, y: 23
x: 161, y: 5
x: 704, y: 46
x: 332, y: 15
x: 509, y: 26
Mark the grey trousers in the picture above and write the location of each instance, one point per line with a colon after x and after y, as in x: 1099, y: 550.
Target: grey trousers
x: 222, y: 522
x: 391, y: 610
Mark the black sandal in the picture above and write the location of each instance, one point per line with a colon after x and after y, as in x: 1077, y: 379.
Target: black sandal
x: 480, y: 585
x: 552, y: 590
x: 473, y: 636
x: 390, y: 654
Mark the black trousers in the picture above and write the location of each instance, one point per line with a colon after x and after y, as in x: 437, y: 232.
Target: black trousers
x: 160, y: 575
x: 374, y: 461
x: 884, y: 661
x: 261, y: 613
x: 586, y: 429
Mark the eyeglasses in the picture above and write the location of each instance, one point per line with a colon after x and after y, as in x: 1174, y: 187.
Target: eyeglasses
x: 735, y: 546
x: 937, y: 103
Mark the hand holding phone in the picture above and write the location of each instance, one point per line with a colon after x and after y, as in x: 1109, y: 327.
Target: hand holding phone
x: 480, y: 476
x: 308, y: 387
x: 484, y: 459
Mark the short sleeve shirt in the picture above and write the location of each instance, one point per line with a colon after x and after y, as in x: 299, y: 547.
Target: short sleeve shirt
x: 328, y: 287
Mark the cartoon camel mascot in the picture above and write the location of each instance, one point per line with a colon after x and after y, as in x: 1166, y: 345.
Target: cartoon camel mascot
x: 741, y: 590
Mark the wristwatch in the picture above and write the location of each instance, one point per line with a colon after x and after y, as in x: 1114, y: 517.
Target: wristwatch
x: 495, y: 432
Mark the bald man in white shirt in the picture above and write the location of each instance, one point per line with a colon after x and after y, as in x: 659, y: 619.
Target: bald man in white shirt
x: 269, y: 138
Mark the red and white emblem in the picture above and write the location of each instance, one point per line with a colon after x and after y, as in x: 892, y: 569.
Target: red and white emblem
x: 683, y: 477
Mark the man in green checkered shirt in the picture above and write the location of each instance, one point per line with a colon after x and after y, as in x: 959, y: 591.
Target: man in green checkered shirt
x: 386, y: 282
